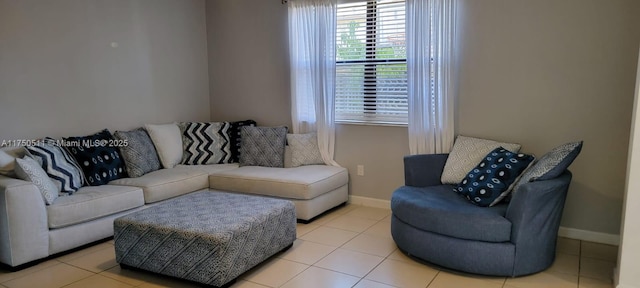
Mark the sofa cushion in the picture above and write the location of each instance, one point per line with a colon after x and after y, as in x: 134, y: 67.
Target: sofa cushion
x: 439, y: 210
x: 99, y: 157
x: 263, y: 146
x: 29, y: 170
x: 139, y: 154
x: 168, y: 142
x: 304, y: 149
x: 490, y: 180
x: 304, y: 182
x: 205, y: 143
x: 61, y: 167
x: 92, y: 202
x: 466, y: 153
x: 167, y: 183
x: 235, y: 138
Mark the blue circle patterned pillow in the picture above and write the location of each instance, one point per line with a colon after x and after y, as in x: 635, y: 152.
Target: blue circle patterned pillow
x: 493, y: 176
x: 98, y: 156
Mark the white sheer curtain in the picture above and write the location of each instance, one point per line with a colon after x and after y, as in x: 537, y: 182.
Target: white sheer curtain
x: 430, y: 75
x: 312, y: 44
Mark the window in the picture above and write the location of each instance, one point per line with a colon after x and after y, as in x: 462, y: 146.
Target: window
x: 371, y: 63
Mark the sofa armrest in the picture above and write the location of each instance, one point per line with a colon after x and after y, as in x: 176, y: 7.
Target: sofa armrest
x: 424, y: 170
x: 535, y: 212
x: 24, y: 233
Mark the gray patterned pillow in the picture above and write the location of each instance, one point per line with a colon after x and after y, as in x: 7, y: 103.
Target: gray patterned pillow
x: 29, y: 170
x: 262, y: 146
x: 205, y: 143
x: 304, y: 149
x: 466, y: 153
x: 139, y: 154
x: 552, y: 164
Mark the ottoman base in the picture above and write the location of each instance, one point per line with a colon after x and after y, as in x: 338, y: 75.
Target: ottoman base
x: 127, y: 267
x: 226, y: 285
x: 206, y: 237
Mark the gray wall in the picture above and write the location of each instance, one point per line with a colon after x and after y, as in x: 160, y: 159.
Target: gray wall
x: 539, y: 73
x: 60, y: 76
x: 248, y: 61
x: 542, y: 73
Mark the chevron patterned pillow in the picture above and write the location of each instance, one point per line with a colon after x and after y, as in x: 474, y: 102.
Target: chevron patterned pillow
x: 61, y: 167
x: 262, y: 146
x: 205, y: 143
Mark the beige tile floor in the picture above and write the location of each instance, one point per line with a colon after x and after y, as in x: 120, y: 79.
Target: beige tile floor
x: 350, y: 247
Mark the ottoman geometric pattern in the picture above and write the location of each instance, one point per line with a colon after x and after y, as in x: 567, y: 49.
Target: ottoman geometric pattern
x: 206, y: 237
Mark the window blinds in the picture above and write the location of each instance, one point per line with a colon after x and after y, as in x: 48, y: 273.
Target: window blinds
x: 371, y: 66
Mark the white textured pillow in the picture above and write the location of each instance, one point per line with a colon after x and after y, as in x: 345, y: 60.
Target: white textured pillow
x: 29, y: 170
x: 168, y: 142
x: 466, y: 153
x: 304, y: 149
x: 8, y: 158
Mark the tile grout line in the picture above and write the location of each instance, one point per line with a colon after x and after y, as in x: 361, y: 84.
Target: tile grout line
x: 341, y: 247
x: 433, y: 279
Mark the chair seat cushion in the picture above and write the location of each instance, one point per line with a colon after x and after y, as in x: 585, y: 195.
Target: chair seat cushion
x: 439, y: 210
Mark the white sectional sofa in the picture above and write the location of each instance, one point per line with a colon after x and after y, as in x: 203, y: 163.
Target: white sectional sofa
x: 31, y: 230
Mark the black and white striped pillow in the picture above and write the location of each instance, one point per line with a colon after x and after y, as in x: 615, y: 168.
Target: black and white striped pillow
x: 205, y: 143
x: 61, y: 167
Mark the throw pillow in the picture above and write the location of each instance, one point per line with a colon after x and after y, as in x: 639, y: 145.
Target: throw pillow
x: 29, y: 170
x: 262, y: 146
x: 139, y: 154
x: 466, y: 153
x: 205, y: 143
x: 304, y: 149
x: 168, y: 142
x: 552, y: 164
x: 98, y: 157
x: 8, y: 158
x: 235, y: 138
x: 493, y: 176
x: 61, y: 167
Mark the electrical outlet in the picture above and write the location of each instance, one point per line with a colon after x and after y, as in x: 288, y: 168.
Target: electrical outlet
x: 360, y: 170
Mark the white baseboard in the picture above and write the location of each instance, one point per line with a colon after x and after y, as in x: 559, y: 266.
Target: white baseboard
x: 626, y: 286
x: 370, y: 202
x: 597, y: 237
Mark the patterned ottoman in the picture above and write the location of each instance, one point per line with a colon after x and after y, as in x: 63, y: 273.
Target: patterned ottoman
x: 206, y: 237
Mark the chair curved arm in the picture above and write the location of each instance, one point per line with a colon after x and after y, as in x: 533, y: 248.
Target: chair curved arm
x: 424, y: 170
x: 535, y: 212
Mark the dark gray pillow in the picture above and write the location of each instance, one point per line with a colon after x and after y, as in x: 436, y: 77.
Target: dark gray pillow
x: 552, y: 164
x: 235, y: 138
x: 139, y: 154
x: 262, y: 146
